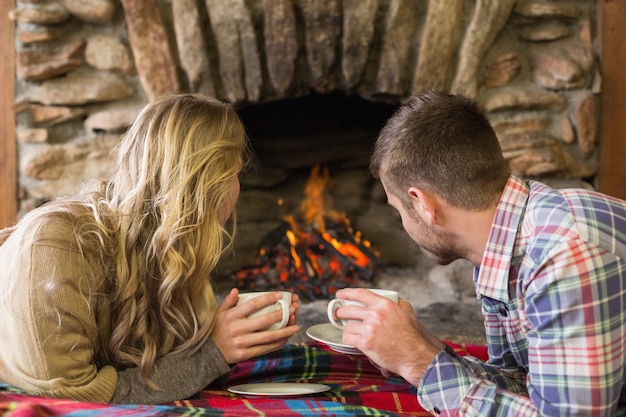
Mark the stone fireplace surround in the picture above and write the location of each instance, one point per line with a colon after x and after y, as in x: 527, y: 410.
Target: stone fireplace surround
x: 84, y: 68
x: 314, y: 81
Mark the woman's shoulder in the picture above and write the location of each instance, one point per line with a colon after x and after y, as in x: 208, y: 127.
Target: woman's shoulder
x: 68, y: 227
x: 52, y: 227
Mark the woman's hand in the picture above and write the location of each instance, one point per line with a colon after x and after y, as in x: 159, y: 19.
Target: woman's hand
x: 240, y: 338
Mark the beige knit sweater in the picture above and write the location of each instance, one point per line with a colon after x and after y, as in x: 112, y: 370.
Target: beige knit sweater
x: 58, y: 352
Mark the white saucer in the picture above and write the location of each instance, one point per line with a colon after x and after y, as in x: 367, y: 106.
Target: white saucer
x: 278, y: 388
x: 330, y: 335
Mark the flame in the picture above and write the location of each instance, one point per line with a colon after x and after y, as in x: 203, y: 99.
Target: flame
x: 348, y: 250
x: 292, y: 239
x: 315, y: 209
x: 314, y: 204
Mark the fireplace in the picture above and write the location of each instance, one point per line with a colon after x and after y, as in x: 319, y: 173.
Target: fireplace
x: 314, y: 81
x: 323, y: 136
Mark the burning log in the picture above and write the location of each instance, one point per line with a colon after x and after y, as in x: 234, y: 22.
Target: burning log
x: 311, y: 264
x: 313, y: 257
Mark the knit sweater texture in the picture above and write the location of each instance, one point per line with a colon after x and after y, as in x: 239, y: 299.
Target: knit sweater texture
x: 56, y: 325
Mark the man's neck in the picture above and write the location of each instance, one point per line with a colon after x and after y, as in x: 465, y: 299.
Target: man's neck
x: 470, y: 230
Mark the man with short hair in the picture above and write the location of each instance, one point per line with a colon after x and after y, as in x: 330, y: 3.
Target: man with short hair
x: 550, y: 269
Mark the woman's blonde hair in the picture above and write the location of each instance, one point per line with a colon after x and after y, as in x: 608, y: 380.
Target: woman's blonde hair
x: 156, y: 225
x: 176, y: 168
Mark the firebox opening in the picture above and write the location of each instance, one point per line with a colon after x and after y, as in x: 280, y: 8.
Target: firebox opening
x: 314, y: 113
x: 323, y: 138
x: 332, y: 129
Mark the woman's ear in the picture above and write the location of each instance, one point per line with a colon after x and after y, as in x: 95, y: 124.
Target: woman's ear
x: 423, y: 204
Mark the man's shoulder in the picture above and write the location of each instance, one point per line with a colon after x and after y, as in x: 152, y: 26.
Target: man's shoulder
x: 584, y: 214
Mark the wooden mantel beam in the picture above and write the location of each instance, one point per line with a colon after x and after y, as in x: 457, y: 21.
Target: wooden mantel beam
x: 612, y: 171
x: 8, y: 151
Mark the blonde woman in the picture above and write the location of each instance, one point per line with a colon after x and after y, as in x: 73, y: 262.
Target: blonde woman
x: 106, y: 296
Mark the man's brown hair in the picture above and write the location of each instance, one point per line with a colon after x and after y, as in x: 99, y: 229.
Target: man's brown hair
x: 443, y: 143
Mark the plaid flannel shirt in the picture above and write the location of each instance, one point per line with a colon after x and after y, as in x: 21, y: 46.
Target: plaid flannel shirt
x: 553, y: 287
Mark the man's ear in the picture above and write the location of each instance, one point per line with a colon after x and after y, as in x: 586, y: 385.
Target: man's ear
x: 423, y: 204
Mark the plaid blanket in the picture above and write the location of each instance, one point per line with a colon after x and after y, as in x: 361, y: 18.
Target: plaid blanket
x: 357, y: 389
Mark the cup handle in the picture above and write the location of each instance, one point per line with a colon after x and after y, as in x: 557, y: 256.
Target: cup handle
x: 333, y: 305
x: 285, y: 308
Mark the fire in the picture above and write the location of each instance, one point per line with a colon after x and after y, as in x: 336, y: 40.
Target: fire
x: 314, y: 212
x: 313, y: 257
x: 314, y: 203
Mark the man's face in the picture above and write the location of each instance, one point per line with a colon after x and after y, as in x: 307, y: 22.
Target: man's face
x: 433, y: 240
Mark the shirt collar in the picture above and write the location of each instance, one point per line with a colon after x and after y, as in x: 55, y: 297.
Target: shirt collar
x: 492, y: 278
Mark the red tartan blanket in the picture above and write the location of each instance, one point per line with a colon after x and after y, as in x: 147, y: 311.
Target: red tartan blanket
x: 357, y: 389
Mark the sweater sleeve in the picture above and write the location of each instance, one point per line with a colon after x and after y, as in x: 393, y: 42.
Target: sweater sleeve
x: 53, y: 325
x: 177, y: 375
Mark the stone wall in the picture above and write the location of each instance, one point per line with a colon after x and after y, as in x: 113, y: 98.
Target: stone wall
x: 85, y: 68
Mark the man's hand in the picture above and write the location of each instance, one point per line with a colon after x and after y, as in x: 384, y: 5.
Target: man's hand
x: 388, y: 333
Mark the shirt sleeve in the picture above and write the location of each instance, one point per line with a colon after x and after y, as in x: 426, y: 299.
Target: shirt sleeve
x: 453, y: 383
x: 574, y: 309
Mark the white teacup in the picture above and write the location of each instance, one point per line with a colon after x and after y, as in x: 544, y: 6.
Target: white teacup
x: 335, y: 303
x: 282, y: 304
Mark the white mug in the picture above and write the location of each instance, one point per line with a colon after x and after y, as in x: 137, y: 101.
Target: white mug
x: 335, y: 303
x: 282, y: 304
